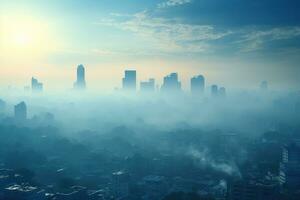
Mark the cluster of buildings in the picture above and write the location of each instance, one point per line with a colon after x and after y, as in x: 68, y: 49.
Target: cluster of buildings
x: 171, y: 84
x: 16, y: 186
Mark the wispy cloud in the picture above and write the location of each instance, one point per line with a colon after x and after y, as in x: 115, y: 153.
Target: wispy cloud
x: 169, y: 35
x: 172, y: 3
x: 175, y: 36
x: 255, y: 39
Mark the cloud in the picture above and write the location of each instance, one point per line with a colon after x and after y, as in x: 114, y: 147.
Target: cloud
x: 253, y: 40
x: 174, y: 36
x: 168, y: 35
x: 172, y: 3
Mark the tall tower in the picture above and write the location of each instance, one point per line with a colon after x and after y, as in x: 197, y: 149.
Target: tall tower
x: 80, y: 82
x: 171, y: 83
x: 197, y: 84
x: 129, y: 81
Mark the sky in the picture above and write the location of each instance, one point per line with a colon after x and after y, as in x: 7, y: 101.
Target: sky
x: 233, y: 43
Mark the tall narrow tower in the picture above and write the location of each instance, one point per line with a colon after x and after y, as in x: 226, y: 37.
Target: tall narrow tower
x: 80, y: 82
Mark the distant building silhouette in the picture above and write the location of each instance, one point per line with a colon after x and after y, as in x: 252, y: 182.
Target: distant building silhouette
x: 222, y: 92
x: 171, y: 83
x: 264, y: 85
x: 21, y: 111
x: 80, y: 83
x: 148, y: 86
x: 197, y: 84
x: 129, y: 81
x: 36, y: 86
x: 214, y: 90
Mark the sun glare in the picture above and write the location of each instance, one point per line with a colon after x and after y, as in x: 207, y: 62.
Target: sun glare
x: 21, y: 34
x: 24, y: 34
x: 22, y: 38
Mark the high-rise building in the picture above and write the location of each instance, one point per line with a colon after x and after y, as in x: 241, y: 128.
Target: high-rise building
x: 171, y: 83
x: 289, y: 174
x: 129, y: 81
x: 21, y: 111
x: 214, y: 90
x: 148, y: 86
x: 197, y: 84
x: 80, y: 83
x: 36, y: 86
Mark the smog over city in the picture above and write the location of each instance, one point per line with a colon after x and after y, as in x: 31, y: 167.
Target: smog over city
x: 149, y: 100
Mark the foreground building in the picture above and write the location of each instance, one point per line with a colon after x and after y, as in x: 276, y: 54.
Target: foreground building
x: 289, y: 173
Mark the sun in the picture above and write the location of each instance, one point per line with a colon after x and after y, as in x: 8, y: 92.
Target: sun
x: 22, y: 38
x: 23, y: 34
x: 25, y: 39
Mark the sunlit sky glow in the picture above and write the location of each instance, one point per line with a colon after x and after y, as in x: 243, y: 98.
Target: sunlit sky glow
x: 233, y: 43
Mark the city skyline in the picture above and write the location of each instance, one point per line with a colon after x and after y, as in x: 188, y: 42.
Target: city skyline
x: 149, y: 100
x: 130, y: 82
x: 159, y: 37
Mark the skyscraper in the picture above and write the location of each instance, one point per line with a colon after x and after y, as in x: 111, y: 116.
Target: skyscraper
x: 197, y: 84
x: 129, y: 81
x: 289, y: 172
x: 171, y: 83
x: 214, y: 90
x: 80, y: 82
x: 36, y: 86
x: 148, y: 86
x: 21, y: 111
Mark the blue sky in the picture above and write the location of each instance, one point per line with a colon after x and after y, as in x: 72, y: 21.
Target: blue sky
x: 211, y: 37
